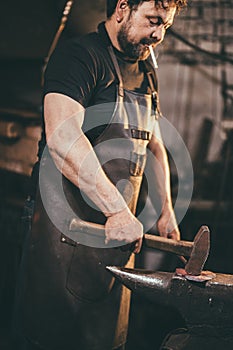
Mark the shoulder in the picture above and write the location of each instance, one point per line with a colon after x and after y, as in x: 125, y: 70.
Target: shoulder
x: 88, y: 47
x: 78, y: 67
x: 88, y: 53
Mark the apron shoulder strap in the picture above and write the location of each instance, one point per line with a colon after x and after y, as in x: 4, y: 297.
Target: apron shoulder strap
x: 153, y: 83
x: 117, y: 69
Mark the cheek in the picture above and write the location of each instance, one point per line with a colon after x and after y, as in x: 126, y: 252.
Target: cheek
x: 135, y: 36
x: 138, y: 32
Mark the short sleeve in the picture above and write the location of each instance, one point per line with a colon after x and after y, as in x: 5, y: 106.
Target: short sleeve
x: 72, y: 71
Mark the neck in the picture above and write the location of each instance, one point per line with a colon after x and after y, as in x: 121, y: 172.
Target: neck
x: 112, y: 30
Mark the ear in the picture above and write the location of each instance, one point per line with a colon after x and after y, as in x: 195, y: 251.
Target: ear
x: 121, y: 8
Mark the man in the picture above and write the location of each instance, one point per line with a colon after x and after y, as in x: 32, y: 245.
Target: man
x: 100, y: 119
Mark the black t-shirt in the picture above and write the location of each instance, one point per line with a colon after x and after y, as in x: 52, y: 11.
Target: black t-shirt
x: 81, y: 68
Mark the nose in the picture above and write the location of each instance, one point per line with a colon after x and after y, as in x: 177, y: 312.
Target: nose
x: 158, y: 33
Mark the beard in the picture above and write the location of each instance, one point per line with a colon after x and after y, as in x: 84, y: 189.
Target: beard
x: 134, y: 50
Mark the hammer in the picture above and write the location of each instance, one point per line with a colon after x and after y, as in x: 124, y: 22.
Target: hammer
x: 198, y: 250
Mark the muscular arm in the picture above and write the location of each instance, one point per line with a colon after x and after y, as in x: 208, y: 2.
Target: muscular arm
x: 159, y: 169
x: 76, y: 159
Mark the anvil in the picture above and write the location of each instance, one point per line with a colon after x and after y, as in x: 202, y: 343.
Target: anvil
x: 207, y: 307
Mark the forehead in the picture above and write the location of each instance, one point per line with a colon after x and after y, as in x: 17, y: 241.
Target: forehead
x: 164, y: 9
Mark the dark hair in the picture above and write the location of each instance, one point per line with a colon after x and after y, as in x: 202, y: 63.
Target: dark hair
x: 133, y: 4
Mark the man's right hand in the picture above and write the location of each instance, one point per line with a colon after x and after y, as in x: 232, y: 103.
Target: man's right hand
x: 124, y: 226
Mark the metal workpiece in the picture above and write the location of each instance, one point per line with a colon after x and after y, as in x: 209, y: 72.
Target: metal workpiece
x: 205, y: 307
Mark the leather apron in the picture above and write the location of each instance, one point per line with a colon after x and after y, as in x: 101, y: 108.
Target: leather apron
x: 66, y: 299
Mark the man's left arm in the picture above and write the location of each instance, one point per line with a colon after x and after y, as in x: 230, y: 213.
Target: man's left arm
x: 159, y: 174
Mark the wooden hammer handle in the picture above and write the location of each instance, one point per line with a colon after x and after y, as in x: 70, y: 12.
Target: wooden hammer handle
x: 168, y: 245
x: 152, y: 241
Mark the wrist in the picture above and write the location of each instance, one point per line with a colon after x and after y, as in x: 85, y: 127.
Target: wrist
x: 116, y: 207
x: 110, y: 201
x: 167, y: 206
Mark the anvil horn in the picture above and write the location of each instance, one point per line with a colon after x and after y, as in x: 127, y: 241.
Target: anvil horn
x: 153, y: 285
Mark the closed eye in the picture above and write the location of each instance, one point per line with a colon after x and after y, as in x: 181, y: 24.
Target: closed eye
x: 158, y: 21
x: 153, y: 22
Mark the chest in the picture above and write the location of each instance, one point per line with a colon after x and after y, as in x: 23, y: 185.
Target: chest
x: 133, y: 76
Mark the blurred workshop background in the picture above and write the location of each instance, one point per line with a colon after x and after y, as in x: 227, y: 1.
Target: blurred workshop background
x: 196, y: 96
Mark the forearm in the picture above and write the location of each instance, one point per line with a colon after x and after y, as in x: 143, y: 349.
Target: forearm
x: 159, y: 175
x: 78, y: 162
x: 73, y: 154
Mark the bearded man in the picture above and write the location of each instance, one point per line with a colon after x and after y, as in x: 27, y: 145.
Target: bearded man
x: 100, y: 120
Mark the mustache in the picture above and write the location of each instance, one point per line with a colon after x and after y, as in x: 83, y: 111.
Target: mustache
x: 148, y: 42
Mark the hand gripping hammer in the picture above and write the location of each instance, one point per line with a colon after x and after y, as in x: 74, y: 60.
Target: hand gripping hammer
x: 197, y: 251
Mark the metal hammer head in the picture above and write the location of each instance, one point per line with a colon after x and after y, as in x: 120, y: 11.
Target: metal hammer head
x: 200, y: 252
